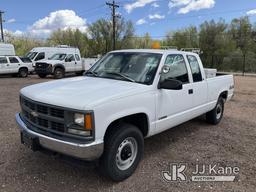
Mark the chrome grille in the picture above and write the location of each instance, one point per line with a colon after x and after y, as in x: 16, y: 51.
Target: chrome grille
x: 42, y: 116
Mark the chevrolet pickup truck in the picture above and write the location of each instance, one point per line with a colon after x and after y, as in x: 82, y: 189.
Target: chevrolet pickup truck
x: 126, y: 96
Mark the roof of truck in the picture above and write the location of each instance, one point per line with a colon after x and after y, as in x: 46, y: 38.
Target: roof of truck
x: 161, y: 51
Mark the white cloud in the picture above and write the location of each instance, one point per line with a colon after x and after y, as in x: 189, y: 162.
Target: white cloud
x: 141, y: 22
x: 155, y: 5
x: 251, y: 12
x: 139, y: 3
x: 62, y: 19
x: 16, y: 33
x: 156, y: 16
x: 11, y: 21
x: 185, y: 6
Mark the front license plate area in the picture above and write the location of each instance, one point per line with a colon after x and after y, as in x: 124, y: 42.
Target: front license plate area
x: 30, y: 141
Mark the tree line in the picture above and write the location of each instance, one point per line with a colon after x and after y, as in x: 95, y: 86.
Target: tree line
x: 226, y: 46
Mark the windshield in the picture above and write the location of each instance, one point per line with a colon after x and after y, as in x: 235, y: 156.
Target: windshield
x: 58, y: 56
x: 135, y: 67
x: 31, y: 55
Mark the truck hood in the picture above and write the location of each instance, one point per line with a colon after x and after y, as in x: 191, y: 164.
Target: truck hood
x: 82, y: 93
x: 53, y: 62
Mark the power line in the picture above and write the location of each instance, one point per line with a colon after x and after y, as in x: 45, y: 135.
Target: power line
x: 1, y: 25
x: 113, y: 6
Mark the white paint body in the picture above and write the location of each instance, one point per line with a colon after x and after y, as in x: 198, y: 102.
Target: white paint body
x: 114, y: 99
x: 13, y: 68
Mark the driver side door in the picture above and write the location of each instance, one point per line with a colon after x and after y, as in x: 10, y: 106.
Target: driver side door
x: 70, y: 63
x: 172, y: 106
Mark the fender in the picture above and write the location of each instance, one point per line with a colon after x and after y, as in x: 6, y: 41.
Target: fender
x: 60, y: 65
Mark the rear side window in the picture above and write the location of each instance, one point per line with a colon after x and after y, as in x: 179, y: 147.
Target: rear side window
x: 3, y: 60
x: 40, y: 56
x: 13, y: 60
x: 178, y: 69
x: 77, y: 57
x: 195, y: 68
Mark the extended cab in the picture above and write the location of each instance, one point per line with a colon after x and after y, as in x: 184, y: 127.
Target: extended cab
x: 126, y: 96
x: 15, y: 65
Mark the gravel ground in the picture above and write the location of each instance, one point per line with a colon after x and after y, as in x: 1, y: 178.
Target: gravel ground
x: 232, y: 142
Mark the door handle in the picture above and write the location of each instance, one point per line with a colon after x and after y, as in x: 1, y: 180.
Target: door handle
x: 190, y: 91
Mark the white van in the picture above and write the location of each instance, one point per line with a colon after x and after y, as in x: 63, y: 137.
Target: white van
x: 6, y: 49
x: 44, y: 53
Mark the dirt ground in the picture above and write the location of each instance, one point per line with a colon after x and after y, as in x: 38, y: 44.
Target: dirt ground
x: 232, y: 142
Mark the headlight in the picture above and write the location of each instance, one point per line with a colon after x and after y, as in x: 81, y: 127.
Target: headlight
x: 79, y: 119
x: 82, y: 124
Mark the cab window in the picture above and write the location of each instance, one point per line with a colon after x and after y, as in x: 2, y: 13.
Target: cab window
x: 178, y: 69
x: 40, y: 56
x: 70, y: 58
x: 195, y: 68
x: 13, y: 60
x: 3, y: 60
x: 77, y: 57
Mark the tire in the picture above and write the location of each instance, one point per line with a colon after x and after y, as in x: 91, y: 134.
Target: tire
x: 23, y: 72
x: 123, y: 150
x: 42, y: 75
x: 59, y: 73
x: 214, y: 116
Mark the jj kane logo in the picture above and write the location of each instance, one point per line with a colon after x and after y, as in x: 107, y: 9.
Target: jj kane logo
x: 212, y: 172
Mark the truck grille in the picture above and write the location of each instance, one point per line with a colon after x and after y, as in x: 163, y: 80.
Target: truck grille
x: 44, y: 117
x: 40, y: 65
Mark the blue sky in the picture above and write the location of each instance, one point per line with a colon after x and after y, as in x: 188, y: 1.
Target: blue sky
x: 41, y: 17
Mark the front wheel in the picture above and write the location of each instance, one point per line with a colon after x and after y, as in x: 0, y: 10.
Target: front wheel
x: 23, y: 72
x: 214, y: 116
x: 123, y: 150
x: 59, y: 73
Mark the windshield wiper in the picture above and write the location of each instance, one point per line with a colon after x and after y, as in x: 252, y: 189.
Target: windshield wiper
x: 92, y: 73
x: 121, y: 75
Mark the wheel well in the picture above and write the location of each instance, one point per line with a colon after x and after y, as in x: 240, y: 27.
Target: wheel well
x: 224, y: 95
x: 23, y: 68
x: 59, y: 66
x: 140, y: 120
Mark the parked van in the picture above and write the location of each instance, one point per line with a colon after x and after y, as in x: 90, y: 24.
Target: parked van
x: 44, y: 53
x: 7, y: 49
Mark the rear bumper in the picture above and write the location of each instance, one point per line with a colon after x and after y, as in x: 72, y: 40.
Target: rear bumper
x: 90, y: 151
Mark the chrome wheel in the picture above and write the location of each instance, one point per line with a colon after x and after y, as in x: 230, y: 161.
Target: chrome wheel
x: 126, y: 153
x: 219, y: 110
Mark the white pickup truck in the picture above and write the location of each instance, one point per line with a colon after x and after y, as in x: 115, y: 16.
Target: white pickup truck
x: 15, y: 65
x: 61, y: 63
x: 125, y: 97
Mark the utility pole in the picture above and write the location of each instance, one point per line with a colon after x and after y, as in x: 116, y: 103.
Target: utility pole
x: 1, y: 25
x: 113, y: 6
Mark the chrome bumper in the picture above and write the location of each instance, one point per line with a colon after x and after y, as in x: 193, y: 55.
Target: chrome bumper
x: 89, y: 151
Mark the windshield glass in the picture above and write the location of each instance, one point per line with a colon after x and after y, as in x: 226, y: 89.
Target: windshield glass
x: 31, y: 55
x: 58, y: 56
x: 135, y: 67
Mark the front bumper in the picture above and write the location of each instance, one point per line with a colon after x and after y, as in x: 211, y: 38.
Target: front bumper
x: 89, y: 151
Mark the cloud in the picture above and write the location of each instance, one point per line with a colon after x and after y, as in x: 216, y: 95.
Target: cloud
x: 156, y: 16
x: 16, y: 33
x: 11, y: 21
x: 185, y: 6
x: 155, y: 5
x: 61, y: 19
x: 251, y: 12
x: 139, y: 3
x: 141, y: 22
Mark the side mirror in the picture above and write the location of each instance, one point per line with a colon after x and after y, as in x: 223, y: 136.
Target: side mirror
x: 171, y: 84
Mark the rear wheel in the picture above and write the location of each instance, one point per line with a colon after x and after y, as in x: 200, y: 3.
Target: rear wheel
x: 42, y: 75
x: 59, y: 73
x: 214, y: 116
x: 123, y: 150
x: 23, y: 72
